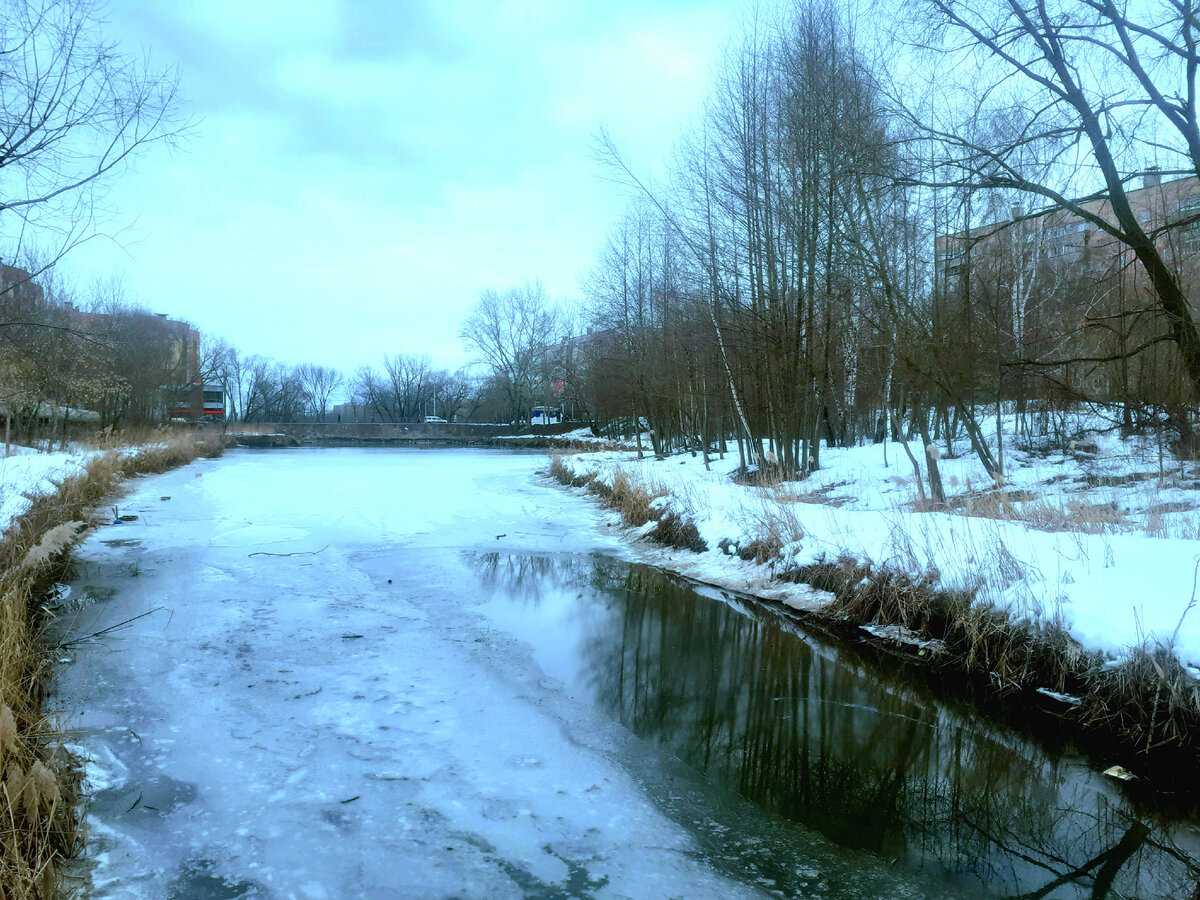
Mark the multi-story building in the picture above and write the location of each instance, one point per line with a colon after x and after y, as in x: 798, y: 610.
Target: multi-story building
x: 176, y: 343
x: 1054, y: 285
x: 19, y: 288
x: 1169, y: 211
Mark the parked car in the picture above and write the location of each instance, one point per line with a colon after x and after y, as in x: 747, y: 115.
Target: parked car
x: 434, y: 420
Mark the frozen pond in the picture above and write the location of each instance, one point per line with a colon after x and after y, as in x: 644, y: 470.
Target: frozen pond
x: 428, y: 674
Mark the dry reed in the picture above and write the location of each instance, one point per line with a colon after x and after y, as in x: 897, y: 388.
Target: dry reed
x: 39, y: 783
x: 635, y: 499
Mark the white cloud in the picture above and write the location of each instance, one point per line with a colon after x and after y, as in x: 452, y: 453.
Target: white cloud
x: 362, y: 170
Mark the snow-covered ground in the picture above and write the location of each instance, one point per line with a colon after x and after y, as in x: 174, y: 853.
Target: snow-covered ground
x: 1101, y: 536
x: 311, y: 706
x: 27, y: 472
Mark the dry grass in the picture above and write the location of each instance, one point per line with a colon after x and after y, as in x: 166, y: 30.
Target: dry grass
x: 1075, y: 515
x: 774, y: 524
x: 790, y: 492
x: 1079, y: 516
x: 39, y: 784
x: 634, y: 498
x: 981, y: 639
x: 1150, y: 698
x: 1170, y: 524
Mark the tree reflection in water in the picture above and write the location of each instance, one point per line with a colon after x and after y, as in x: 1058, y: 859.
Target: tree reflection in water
x: 825, y: 738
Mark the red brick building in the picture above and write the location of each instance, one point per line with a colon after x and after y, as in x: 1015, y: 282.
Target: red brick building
x: 1064, y: 288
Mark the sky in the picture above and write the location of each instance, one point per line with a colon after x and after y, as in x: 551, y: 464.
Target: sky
x: 359, y: 171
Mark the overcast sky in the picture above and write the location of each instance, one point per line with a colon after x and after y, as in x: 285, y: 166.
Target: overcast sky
x: 362, y: 169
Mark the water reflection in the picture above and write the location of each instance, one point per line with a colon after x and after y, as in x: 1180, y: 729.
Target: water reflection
x: 737, y: 691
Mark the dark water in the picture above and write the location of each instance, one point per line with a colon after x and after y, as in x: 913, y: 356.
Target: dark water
x: 821, y: 741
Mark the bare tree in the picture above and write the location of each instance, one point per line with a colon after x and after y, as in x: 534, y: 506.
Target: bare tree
x: 320, y: 382
x: 512, y: 332
x: 73, y: 110
x: 1092, y: 92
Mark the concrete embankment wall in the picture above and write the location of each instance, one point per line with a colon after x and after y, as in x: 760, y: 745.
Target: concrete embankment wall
x: 298, y: 433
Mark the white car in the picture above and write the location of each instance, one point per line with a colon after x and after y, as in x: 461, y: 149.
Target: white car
x: 434, y: 420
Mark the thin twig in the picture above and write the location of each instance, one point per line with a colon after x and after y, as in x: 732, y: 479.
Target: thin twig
x: 111, y: 628
x: 297, y: 553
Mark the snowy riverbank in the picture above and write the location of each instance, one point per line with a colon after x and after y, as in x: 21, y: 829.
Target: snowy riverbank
x: 1096, y: 541
x: 47, y: 503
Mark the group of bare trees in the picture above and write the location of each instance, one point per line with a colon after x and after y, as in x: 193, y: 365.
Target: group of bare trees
x: 74, y: 110
x: 518, y: 335
x: 260, y: 389
x: 407, y: 388
x: 93, y: 355
x: 910, y: 227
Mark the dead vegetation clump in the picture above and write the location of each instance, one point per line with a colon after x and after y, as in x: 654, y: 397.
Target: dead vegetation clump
x: 39, y: 783
x: 676, y: 531
x: 982, y: 638
x: 635, y: 500
x: 761, y: 550
x: 775, y: 525
x: 1076, y: 516
x: 787, y: 492
x: 1150, y: 699
x: 563, y: 474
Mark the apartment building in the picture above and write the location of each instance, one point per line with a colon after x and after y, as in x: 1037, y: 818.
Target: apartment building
x: 1169, y: 211
x: 1054, y: 285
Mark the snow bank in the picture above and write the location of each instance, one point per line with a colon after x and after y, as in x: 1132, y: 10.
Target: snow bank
x: 1132, y: 578
x: 27, y: 472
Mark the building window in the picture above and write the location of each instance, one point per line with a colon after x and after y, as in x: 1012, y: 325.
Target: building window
x: 1189, y: 206
x: 1056, y: 232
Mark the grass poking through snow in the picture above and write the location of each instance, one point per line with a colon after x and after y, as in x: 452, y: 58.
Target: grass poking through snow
x: 40, y: 825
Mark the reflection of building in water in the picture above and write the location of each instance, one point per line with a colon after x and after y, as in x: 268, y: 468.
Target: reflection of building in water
x: 841, y: 745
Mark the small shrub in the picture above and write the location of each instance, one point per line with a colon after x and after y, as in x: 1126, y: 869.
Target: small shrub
x: 675, y: 531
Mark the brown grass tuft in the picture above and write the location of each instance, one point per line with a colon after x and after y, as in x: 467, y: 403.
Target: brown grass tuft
x: 1150, y: 699
x: 676, y: 531
x: 634, y: 499
x: 39, y: 784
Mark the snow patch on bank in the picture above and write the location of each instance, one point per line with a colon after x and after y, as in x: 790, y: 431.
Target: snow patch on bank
x: 27, y: 473
x: 1127, y: 573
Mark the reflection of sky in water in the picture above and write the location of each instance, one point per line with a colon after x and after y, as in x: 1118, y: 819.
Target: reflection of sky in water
x: 872, y: 763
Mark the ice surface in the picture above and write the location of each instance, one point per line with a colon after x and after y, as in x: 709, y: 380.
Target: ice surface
x: 313, y: 707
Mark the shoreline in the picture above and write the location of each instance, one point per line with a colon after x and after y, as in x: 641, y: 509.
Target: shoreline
x: 41, y: 827
x: 1027, y: 677
x: 284, y: 440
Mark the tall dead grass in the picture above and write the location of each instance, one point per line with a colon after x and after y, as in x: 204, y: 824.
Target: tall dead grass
x: 773, y: 522
x: 39, y: 783
x: 1148, y: 706
x: 1014, y: 655
x: 635, y: 499
x: 1079, y: 516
